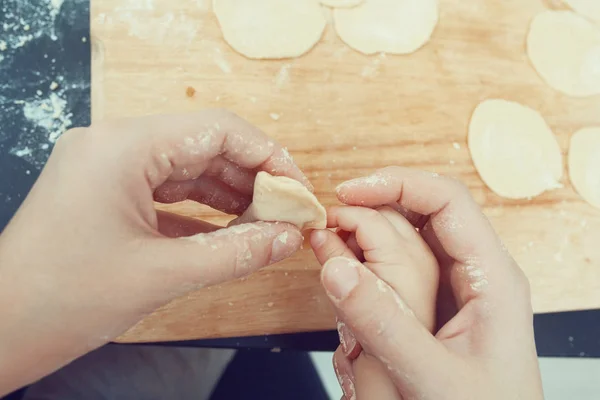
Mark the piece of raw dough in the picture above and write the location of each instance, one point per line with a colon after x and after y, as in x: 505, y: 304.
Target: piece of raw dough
x: 390, y: 26
x: 564, y: 48
x: 341, y: 3
x: 278, y: 198
x: 270, y: 28
x: 584, y: 164
x: 588, y: 8
x: 514, y: 150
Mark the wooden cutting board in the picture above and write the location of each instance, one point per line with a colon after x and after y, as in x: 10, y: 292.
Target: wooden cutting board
x: 343, y: 114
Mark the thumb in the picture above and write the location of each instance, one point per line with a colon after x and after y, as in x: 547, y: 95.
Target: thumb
x: 209, y: 258
x: 385, y: 326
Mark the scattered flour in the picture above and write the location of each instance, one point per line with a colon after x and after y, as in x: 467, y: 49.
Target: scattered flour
x: 283, y: 237
x: 38, y: 104
x: 283, y: 76
x: 143, y: 23
x: 24, y: 21
x: 382, y: 286
x: 371, y: 180
x: 221, y: 61
x: 373, y: 69
x: 48, y: 118
x: 48, y: 113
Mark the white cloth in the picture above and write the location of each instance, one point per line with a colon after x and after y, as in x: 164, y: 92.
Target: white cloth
x: 116, y: 372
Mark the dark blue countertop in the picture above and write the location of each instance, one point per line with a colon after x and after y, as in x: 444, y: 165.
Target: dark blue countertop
x: 45, y: 88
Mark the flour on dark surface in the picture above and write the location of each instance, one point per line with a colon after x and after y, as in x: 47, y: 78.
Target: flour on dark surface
x: 44, y: 87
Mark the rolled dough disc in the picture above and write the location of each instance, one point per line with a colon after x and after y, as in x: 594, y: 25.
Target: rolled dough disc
x: 278, y: 198
x: 341, y: 3
x: 270, y: 28
x: 588, y: 8
x: 390, y: 26
x: 514, y: 150
x: 564, y: 48
x: 584, y: 164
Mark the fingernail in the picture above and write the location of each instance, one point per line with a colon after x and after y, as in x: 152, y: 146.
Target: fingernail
x: 318, y: 238
x: 347, y: 339
x: 284, y: 245
x: 340, y: 277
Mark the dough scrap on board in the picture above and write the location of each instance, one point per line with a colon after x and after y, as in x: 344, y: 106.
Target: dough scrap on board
x: 279, y: 198
x: 564, y: 49
x: 270, y: 29
x: 390, y: 26
x: 514, y: 150
x: 584, y: 164
x: 587, y: 8
x: 341, y: 3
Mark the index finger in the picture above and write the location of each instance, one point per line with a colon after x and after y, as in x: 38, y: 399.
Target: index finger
x: 462, y: 229
x: 177, y: 141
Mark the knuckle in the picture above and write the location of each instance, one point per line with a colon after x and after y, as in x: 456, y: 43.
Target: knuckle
x: 332, y: 252
x: 378, y: 322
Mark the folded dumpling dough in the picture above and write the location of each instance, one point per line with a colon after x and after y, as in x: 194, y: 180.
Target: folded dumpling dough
x: 278, y: 198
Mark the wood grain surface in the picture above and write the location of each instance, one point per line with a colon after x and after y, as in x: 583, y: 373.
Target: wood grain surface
x: 343, y: 114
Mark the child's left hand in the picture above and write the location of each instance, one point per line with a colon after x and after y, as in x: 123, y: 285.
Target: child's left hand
x: 87, y: 255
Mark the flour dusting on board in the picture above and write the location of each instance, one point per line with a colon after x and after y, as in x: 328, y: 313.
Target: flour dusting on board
x: 142, y: 21
x: 283, y: 76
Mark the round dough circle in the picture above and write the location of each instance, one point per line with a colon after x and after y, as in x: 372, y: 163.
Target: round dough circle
x: 390, y: 26
x: 341, y: 3
x: 270, y: 28
x: 514, y: 150
x: 584, y: 164
x: 588, y: 8
x: 564, y: 48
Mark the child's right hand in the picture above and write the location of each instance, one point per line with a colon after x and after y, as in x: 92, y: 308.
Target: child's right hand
x: 482, y: 345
